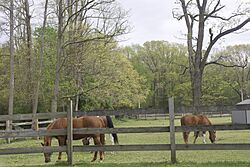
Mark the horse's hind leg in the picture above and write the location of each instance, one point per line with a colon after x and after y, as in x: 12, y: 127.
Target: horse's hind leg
x: 97, y: 141
x: 102, y: 139
x: 204, y: 137
x: 185, y: 137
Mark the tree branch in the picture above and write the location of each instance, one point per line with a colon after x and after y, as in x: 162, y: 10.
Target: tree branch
x: 224, y: 65
x: 220, y: 35
x: 5, y: 7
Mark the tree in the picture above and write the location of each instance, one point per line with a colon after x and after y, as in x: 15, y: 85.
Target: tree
x: 238, y: 57
x: 198, y: 15
x: 107, y: 80
x: 162, y: 64
x: 90, y: 20
x: 11, y: 87
x: 40, y: 68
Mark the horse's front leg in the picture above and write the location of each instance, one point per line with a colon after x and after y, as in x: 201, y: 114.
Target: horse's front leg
x: 196, y: 134
x: 61, y: 142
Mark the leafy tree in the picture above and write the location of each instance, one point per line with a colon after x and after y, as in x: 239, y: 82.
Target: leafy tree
x: 217, y: 89
x: 237, y: 57
x: 240, y: 55
x: 82, y: 21
x: 163, y: 65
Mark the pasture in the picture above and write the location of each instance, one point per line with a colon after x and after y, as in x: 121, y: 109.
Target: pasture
x: 149, y: 158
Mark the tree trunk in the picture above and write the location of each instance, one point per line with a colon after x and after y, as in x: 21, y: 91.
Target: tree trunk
x: 37, y: 87
x: 30, y: 64
x: 58, y: 57
x: 196, y: 79
x: 11, y: 89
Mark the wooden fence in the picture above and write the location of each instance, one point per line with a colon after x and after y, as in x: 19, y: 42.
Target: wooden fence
x: 173, y: 147
x: 137, y: 113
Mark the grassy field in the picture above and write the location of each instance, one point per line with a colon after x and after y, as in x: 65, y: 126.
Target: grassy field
x: 144, y: 159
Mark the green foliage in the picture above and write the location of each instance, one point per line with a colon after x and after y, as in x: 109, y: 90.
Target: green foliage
x: 163, y: 65
x: 106, y: 76
x: 4, y: 82
x: 108, y: 79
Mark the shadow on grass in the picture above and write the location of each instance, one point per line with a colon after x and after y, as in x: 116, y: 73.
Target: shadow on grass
x: 152, y: 164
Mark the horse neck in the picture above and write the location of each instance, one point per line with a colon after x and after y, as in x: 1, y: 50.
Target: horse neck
x: 209, y: 123
x: 47, y: 140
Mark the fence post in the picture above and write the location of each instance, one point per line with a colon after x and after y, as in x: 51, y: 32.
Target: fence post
x: 8, y: 128
x: 70, y: 134
x: 172, y: 129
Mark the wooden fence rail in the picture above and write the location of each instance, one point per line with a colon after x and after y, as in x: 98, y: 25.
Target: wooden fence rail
x: 181, y: 110
x: 55, y: 132
x: 172, y: 146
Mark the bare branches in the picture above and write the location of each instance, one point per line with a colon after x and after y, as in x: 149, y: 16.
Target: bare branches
x: 86, y: 7
x: 216, y: 9
x: 5, y: 7
x: 222, y: 34
x: 224, y: 65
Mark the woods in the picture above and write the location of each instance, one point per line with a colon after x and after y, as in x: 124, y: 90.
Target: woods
x: 58, y: 49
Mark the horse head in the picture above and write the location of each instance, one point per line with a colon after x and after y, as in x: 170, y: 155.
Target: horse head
x: 212, y: 136
x: 47, y: 155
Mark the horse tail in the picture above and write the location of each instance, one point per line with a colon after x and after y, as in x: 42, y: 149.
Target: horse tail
x: 111, y: 125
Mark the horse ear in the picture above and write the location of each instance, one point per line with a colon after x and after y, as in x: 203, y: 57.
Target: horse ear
x: 42, y: 144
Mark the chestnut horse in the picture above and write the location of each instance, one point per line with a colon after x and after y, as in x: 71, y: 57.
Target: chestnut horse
x: 192, y: 120
x: 81, y: 122
x: 108, y: 124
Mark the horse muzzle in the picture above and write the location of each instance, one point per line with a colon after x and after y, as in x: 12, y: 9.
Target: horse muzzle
x: 47, y: 160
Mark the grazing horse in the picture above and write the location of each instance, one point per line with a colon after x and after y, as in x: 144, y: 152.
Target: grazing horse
x: 81, y: 122
x: 192, y: 120
x: 108, y: 124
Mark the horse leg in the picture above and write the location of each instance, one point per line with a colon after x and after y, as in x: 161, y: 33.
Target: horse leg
x: 185, y: 137
x: 95, y: 153
x: 204, y: 137
x: 97, y: 141
x: 61, y: 142
x: 196, y: 136
x: 112, y: 139
x: 102, y: 139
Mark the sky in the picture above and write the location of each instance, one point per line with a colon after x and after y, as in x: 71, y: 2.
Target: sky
x: 153, y: 20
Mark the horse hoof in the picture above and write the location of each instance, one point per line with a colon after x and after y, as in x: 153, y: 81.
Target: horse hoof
x: 93, y: 160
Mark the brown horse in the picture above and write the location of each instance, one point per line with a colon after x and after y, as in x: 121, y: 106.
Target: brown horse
x: 81, y: 122
x: 192, y: 120
x: 108, y: 124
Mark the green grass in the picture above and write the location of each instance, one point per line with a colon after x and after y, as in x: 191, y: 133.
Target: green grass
x: 144, y: 159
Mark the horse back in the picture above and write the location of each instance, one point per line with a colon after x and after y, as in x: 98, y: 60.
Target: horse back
x: 203, y: 120
x: 59, y: 123
x: 189, y: 120
x: 88, y: 122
